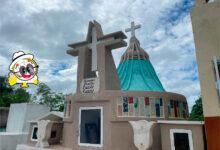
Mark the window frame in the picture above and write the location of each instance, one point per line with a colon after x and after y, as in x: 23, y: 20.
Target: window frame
x: 189, y: 132
x: 101, y: 125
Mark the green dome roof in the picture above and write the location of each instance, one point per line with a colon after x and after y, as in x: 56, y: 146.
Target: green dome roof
x: 135, y: 70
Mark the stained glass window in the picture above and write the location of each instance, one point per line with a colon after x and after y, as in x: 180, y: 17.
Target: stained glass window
x: 140, y: 107
x: 177, y: 109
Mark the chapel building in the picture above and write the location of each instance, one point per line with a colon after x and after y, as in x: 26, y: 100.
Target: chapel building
x: 124, y: 108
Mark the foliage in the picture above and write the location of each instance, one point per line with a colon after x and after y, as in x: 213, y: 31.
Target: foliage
x: 45, y: 95
x: 9, y: 95
x: 197, y: 111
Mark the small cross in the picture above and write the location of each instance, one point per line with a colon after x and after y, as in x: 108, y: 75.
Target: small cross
x: 132, y: 28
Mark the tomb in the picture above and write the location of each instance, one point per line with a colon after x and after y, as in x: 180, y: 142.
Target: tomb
x: 18, y: 125
x: 55, y: 119
x: 107, y: 98
x: 124, y: 108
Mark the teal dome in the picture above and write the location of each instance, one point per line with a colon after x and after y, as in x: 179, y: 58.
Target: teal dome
x: 135, y: 70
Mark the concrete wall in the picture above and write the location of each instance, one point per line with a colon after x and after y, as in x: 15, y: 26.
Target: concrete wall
x: 115, y: 128
x: 18, y: 126
x: 3, y: 116
x: 197, y: 135
x: 20, y: 114
x: 123, y: 139
x: 9, y: 141
x: 68, y: 135
x: 206, y: 29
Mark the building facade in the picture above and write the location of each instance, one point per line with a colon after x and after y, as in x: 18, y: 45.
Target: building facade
x: 206, y: 28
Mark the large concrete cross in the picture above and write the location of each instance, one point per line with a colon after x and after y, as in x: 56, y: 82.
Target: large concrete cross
x: 93, y: 47
x: 101, y: 59
x: 132, y: 28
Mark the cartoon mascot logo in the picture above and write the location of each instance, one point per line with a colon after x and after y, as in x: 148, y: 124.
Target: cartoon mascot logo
x: 23, y: 70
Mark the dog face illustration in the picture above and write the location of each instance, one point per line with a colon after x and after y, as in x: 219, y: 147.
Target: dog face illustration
x: 23, y: 70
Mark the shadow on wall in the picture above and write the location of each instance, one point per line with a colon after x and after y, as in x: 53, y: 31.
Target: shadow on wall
x: 4, y: 117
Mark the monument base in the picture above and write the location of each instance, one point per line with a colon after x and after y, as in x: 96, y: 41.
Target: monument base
x: 32, y: 147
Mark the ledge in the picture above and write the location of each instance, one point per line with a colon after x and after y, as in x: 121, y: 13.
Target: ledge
x: 185, y: 122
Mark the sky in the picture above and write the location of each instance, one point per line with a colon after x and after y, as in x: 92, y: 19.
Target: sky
x: 45, y: 28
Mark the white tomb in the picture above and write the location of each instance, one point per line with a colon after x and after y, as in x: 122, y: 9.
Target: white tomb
x: 18, y: 125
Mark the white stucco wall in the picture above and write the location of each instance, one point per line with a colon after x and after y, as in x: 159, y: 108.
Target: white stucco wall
x: 18, y: 124
x: 20, y: 114
x: 9, y: 141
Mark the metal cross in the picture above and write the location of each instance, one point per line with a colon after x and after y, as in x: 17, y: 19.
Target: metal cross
x: 132, y: 28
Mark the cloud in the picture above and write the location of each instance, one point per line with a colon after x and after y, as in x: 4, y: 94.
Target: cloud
x: 37, y: 6
x: 45, y: 27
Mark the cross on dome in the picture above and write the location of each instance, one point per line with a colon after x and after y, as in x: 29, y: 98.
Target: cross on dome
x: 133, y: 28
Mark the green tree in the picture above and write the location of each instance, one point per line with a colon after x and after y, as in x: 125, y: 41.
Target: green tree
x: 45, y: 95
x: 9, y: 95
x: 197, y: 111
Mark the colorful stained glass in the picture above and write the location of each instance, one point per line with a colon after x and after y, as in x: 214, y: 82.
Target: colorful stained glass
x: 131, y: 110
x: 157, y: 110
x: 119, y: 110
x: 147, y: 102
x: 175, y: 109
x: 171, y: 103
x: 120, y: 100
x: 161, y: 111
x: 136, y: 108
x: 130, y: 100
x: 153, y: 109
x: 169, y: 111
x: 161, y: 102
x: 125, y: 106
x: 140, y: 107
x: 147, y: 110
x: 136, y: 103
x: 179, y: 109
x: 131, y: 106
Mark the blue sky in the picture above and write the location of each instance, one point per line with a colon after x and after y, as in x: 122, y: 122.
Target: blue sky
x: 45, y: 27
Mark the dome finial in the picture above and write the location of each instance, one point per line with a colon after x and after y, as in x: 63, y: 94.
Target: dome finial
x: 133, y: 28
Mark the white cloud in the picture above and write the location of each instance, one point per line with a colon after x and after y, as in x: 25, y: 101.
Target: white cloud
x: 45, y: 27
x: 37, y: 6
x: 172, y: 53
x: 4, y: 65
x: 61, y: 79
